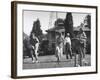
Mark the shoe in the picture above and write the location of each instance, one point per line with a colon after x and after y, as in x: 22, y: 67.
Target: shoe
x: 77, y: 65
x: 86, y: 63
x: 37, y: 61
x: 33, y: 61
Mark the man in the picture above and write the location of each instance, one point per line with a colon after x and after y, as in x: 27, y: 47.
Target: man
x: 67, y: 43
x: 35, y: 45
x: 82, y: 37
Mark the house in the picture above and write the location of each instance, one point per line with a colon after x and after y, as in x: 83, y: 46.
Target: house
x: 58, y: 28
x: 52, y: 33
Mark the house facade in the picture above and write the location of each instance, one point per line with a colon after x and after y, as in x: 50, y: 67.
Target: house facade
x: 53, y: 32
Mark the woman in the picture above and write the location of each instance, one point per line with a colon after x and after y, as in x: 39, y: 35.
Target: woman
x: 35, y: 45
x: 59, y: 46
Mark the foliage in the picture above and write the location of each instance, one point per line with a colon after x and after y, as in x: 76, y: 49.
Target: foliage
x: 68, y: 24
x: 37, y: 28
x: 88, y: 19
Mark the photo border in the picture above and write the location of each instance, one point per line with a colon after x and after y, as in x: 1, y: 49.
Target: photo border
x: 14, y: 37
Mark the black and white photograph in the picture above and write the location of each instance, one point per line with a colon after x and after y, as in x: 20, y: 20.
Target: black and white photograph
x: 53, y: 39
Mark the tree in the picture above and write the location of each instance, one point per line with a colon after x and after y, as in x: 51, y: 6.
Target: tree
x: 88, y: 19
x: 68, y: 24
x: 37, y: 28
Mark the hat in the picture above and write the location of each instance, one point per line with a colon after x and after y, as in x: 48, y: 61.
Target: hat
x: 68, y: 34
x: 81, y: 29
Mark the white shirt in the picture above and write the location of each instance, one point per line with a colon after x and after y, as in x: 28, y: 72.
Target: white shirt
x: 67, y: 40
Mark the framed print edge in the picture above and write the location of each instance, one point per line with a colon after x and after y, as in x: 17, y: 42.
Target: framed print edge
x: 14, y: 38
x: 96, y: 39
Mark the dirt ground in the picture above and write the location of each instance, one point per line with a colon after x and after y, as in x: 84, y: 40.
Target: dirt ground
x: 51, y: 62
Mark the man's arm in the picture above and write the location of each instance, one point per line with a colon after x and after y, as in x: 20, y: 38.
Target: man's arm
x: 37, y: 40
x: 85, y: 37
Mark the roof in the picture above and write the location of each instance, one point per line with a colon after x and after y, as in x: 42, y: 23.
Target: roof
x: 56, y: 29
x: 62, y: 29
x: 84, y: 28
